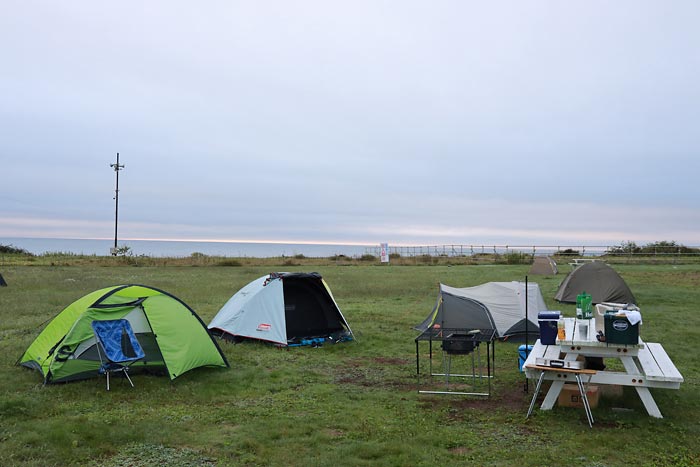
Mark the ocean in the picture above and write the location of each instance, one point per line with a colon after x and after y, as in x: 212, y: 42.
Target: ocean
x: 181, y: 249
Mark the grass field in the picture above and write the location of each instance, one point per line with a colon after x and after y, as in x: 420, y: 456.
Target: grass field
x: 352, y: 404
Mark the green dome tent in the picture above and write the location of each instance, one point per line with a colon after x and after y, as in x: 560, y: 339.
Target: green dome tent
x: 598, y: 279
x: 173, y: 337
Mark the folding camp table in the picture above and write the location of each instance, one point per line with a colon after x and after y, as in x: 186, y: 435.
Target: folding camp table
x: 564, y: 371
x: 455, y: 342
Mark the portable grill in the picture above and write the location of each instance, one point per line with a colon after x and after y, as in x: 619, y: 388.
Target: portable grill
x: 459, y: 344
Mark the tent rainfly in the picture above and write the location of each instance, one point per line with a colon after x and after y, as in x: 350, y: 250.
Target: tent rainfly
x: 498, y: 306
x: 598, y: 279
x: 543, y: 265
x: 174, y: 338
x: 283, y: 308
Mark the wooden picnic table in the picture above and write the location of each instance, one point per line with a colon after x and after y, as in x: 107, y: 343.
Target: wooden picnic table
x: 646, y: 364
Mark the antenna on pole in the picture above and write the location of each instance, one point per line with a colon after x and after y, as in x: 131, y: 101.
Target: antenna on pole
x: 117, y: 167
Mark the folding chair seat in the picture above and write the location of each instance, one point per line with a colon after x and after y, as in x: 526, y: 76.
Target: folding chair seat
x: 117, y: 347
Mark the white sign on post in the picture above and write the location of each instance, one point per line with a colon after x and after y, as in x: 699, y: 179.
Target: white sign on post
x: 384, y: 252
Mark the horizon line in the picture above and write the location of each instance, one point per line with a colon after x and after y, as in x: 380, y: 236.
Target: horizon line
x: 312, y: 242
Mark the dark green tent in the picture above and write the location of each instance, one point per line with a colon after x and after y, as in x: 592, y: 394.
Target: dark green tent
x: 599, y: 280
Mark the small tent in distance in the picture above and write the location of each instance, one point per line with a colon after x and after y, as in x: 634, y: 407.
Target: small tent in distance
x: 544, y: 265
x: 498, y: 306
x: 599, y: 280
x: 174, y: 338
x: 285, y: 309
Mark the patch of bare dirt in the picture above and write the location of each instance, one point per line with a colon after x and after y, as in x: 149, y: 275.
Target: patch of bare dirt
x: 509, y: 398
x: 391, y: 361
x: 460, y: 450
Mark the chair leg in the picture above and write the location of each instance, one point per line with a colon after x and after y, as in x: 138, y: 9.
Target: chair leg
x: 126, y: 373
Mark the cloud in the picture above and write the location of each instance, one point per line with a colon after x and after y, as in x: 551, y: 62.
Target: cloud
x: 352, y: 122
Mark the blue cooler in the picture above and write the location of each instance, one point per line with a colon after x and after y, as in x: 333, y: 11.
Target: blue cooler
x: 548, y: 326
x: 522, y: 355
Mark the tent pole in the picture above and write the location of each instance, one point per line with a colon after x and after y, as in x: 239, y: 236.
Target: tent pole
x: 526, y: 389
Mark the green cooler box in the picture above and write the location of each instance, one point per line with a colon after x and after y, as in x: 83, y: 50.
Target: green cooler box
x: 618, y: 330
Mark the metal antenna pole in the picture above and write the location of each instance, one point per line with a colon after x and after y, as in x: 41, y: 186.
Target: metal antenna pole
x: 116, y: 168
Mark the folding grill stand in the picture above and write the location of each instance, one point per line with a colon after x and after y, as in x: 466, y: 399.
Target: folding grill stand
x: 459, y: 342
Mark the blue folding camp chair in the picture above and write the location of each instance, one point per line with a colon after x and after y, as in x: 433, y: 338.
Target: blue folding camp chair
x: 117, y: 347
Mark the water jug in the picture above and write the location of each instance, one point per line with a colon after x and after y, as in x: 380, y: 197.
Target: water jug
x: 584, y: 306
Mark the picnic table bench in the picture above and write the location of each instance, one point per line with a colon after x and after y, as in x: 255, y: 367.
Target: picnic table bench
x: 579, y: 261
x: 646, y: 365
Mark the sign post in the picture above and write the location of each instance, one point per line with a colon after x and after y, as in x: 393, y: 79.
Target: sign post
x: 384, y: 252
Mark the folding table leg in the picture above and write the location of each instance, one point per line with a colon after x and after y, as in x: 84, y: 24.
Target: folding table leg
x: 534, y: 396
x: 586, y: 405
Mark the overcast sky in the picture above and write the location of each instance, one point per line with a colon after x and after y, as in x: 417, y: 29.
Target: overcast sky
x: 408, y: 122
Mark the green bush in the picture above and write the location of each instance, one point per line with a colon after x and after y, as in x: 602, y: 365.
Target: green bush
x: 12, y: 250
x: 426, y: 259
x: 568, y: 252
x: 517, y: 257
x: 655, y: 248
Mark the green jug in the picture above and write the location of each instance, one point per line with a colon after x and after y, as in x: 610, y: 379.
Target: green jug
x: 584, y: 306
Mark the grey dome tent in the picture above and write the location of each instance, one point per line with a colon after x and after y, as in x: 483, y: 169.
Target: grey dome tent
x: 498, y: 306
x: 598, y: 279
x: 285, y: 309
